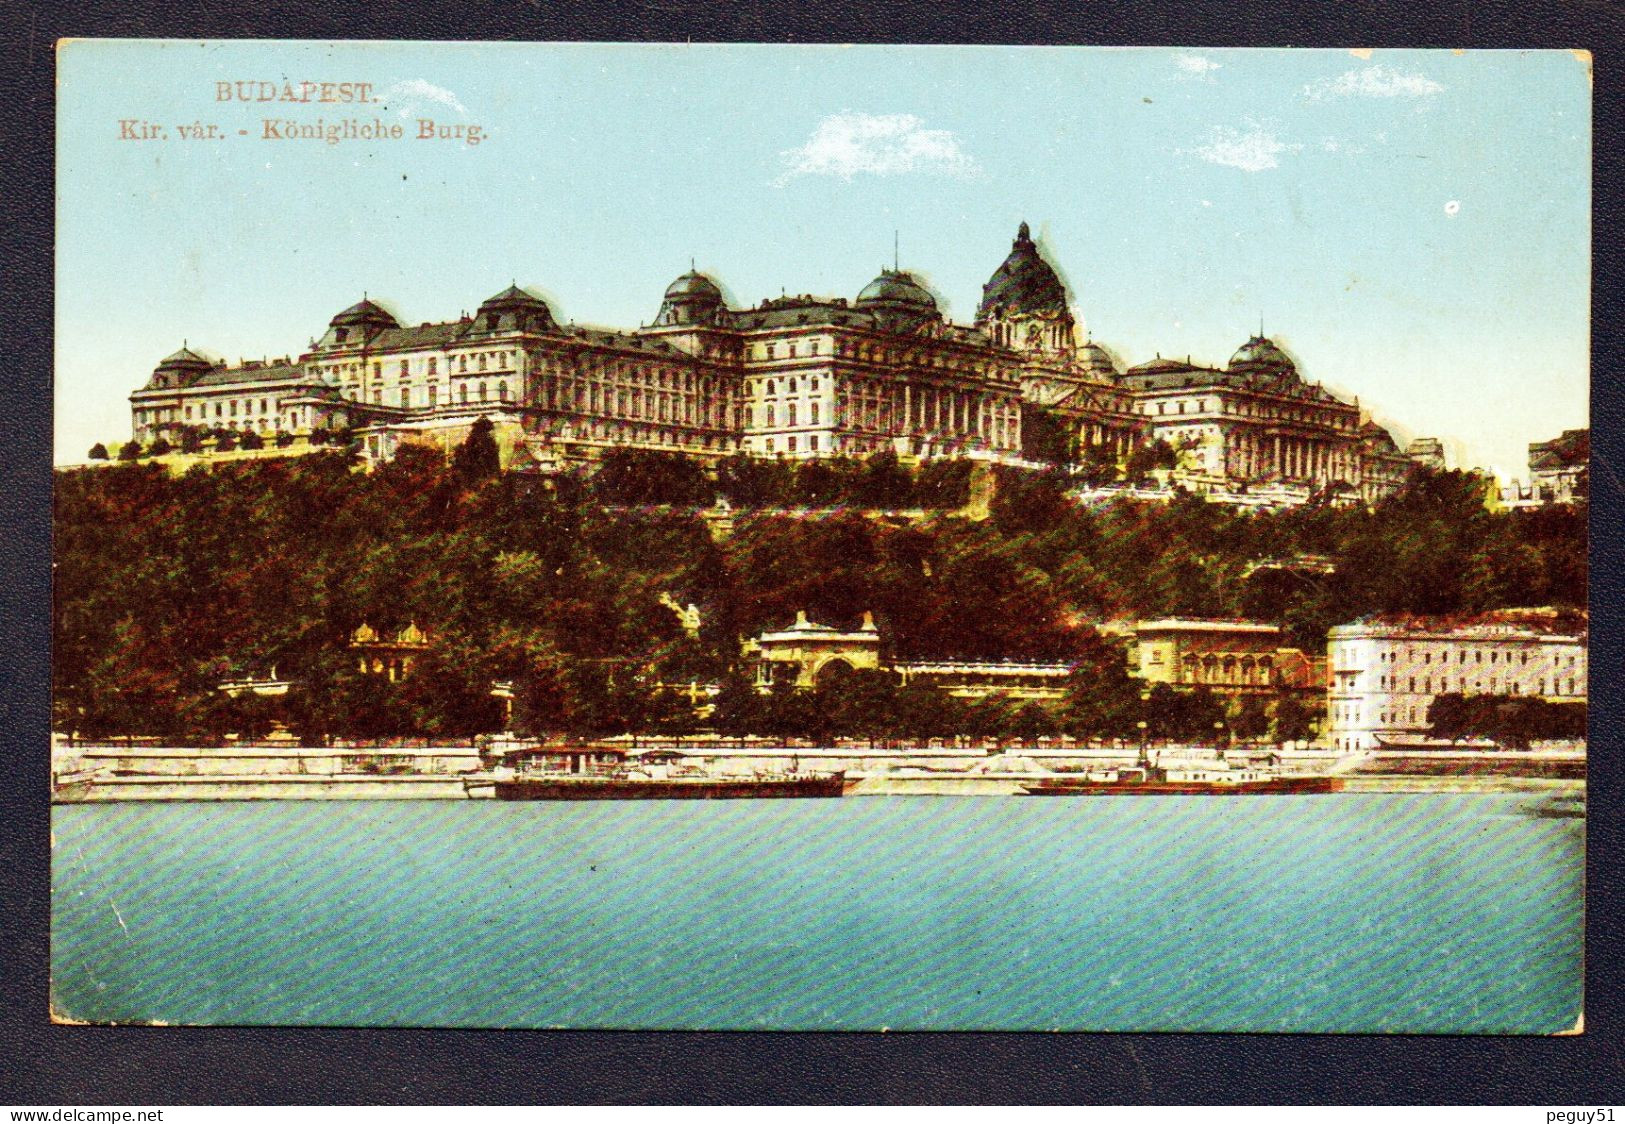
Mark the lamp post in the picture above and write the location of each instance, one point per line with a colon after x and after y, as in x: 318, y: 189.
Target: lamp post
x: 1143, y: 725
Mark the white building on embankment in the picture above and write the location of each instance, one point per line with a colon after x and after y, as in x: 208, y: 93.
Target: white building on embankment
x: 1386, y: 671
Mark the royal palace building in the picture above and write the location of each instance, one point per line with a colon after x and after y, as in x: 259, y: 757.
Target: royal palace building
x: 795, y: 376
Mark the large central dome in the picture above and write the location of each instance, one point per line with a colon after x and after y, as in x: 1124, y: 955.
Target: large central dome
x: 1024, y: 285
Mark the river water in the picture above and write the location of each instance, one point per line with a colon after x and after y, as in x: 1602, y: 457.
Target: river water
x: 1352, y: 912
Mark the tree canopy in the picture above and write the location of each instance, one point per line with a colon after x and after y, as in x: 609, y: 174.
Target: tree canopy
x: 167, y: 585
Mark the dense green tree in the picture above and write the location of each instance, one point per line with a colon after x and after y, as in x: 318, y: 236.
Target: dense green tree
x: 858, y: 703
x: 1250, y: 721
x: 129, y: 451
x: 1448, y: 717
x: 944, y: 484
x: 1294, y: 721
x: 477, y: 458
x: 883, y: 483
x: 1098, y: 465
x: 634, y: 477
x: 252, y: 440
x: 749, y: 482
x: 1149, y: 457
x: 98, y: 452
x: 818, y: 484
x: 536, y: 580
x: 1031, y: 722
x: 1046, y: 436
x: 1193, y: 716
x: 738, y: 708
x: 1030, y: 503
x: 1103, y: 702
x: 924, y: 712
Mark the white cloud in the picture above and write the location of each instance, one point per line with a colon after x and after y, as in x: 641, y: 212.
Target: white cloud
x: 413, y: 92
x: 1253, y: 151
x: 1373, y: 82
x: 1195, y: 65
x: 887, y: 144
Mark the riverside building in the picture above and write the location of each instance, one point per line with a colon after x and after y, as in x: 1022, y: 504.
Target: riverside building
x: 1386, y: 671
x: 794, y: 376
x: 806, y: 652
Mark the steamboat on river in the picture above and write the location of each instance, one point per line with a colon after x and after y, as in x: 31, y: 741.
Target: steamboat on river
x: 603, y: 774
x: 1204, y: 778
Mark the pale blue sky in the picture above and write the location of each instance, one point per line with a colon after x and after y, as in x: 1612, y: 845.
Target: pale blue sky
x: 1414, y: 226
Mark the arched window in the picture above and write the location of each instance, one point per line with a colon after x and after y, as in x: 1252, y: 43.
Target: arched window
x: 502, y: 391
x: 462, y: 393
x: 482, y: 362
x: 482, y: 392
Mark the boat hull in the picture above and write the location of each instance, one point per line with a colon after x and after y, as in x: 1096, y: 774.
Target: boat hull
x: 1275, y: 786
x: 702, y: 788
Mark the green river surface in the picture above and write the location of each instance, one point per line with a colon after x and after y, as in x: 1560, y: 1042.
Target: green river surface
x: 1355, y: 912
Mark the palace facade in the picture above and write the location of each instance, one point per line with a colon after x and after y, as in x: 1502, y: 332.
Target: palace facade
x: 795, y: 376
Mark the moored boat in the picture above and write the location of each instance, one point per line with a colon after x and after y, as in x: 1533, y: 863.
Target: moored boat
x: 541, y: 786
x: 1197, y: 779
x: 605, y: 774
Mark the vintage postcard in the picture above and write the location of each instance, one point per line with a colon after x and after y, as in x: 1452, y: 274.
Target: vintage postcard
x: 820, y: 538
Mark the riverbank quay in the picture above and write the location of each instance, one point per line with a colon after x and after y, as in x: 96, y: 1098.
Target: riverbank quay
x: 95, y: 788
x: 95, y: 774
x: 98, y: 773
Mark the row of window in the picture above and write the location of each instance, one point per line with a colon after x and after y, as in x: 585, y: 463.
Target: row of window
x: 769, y: 415
x: 1461, y: 657
x: 791, y: 444
x: 770, y: 387
x: 1514, y: 687
x: 867, y: 353
x: 1245, y: 410
x: 494, y: 360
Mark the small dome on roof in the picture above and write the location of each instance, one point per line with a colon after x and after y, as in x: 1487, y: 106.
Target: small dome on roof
x: 512, y: 297
x: 691, y: 299
x: 364, y: 312
x: 693, y: 285
x: 1096, y: 359
x: 898, y: 290
x: 513, y: 309
x: 1261, y: 352
x: 1160, y: 365
x: 183, y: 358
